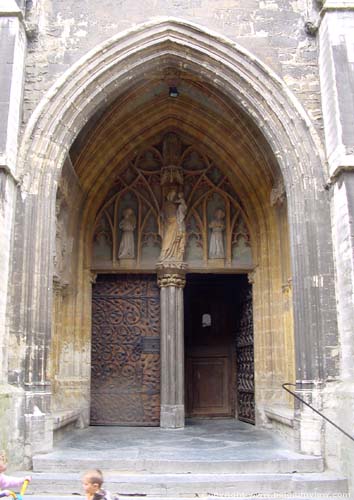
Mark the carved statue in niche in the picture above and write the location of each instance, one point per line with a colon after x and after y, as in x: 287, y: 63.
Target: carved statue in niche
x: 173, y: 227
x: 102, y: 241
x: 217, y: 226
x: 59, y: 234
x: 127, y: 225
x: 63, y: 244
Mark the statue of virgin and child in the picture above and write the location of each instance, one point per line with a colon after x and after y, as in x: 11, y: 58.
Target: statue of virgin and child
x: 173, y: 227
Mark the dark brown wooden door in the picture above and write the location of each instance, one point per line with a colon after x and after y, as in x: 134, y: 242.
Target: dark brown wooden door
x: 125, y: 373
x: 209, y: 353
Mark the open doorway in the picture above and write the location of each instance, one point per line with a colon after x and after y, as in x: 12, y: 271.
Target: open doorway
x: 219, y: 357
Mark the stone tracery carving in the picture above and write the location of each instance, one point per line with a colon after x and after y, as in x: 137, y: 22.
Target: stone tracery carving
x: 171, y: 150
x: 174, y: 190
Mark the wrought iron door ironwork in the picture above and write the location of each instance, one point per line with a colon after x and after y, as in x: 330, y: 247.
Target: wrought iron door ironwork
x: 125, y: 362
x: 245, y: 362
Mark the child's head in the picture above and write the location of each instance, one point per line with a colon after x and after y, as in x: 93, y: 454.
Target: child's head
x: 92, y: 481
x: 3, y: 461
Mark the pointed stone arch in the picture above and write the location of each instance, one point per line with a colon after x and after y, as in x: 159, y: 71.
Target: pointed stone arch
x: 95, y: 81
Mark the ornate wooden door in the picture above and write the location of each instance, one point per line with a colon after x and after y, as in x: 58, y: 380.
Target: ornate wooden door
x: 125, y: 373
x: 245, y: 361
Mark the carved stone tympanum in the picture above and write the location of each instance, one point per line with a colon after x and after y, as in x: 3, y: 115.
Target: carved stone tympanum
x: 171, y: 203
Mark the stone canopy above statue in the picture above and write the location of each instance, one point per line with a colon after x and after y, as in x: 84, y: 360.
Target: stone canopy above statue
x: 171, y: 203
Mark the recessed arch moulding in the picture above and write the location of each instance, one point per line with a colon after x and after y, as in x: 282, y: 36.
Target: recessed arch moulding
x: 244, y: 116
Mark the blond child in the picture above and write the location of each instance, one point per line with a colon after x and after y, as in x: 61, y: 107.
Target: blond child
x: 92, y: 482
x: 9, y: 481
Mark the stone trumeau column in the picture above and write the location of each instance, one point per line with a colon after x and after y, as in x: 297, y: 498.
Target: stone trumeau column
x: 171, y: 281
x: 171, y: 270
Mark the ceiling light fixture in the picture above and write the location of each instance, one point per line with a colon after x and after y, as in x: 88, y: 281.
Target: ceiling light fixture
x: 173, y: 92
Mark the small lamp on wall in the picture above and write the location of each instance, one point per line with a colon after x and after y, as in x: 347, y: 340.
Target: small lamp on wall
x: 173, y: 92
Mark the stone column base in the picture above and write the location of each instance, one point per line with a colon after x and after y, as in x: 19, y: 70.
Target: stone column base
x: 172, y: 417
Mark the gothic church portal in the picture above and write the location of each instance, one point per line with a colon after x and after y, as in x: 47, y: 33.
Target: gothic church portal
x: 166, y: 201
x: 171, y: 210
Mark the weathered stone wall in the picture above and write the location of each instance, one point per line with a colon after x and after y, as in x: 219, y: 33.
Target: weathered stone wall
x: 12, y: 55
x: 337, y: 85
x: 69, y: 365
x: 336, y: 65
x: 273, y: 31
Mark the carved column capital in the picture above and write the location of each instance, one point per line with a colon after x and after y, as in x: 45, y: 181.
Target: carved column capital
x: 172, y: 275
x: 252, y: 276
x: 175, y: 280
x: 92, y: 277
x: 60, y: 287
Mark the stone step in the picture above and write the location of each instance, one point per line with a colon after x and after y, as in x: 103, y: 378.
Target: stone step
x: 281, y: 496
x: 289, y: 464
x: 217, y: 484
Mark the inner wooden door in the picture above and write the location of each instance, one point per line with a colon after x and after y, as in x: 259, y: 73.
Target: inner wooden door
x: 219, y: 347
x: 209, y: 347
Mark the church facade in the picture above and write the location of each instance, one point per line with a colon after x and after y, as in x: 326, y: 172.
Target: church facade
x: 177, y: 203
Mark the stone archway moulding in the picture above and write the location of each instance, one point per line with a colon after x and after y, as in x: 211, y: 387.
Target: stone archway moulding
x: 98, y: 78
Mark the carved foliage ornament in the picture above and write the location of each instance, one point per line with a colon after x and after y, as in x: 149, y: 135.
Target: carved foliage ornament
x: 175, y: 280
